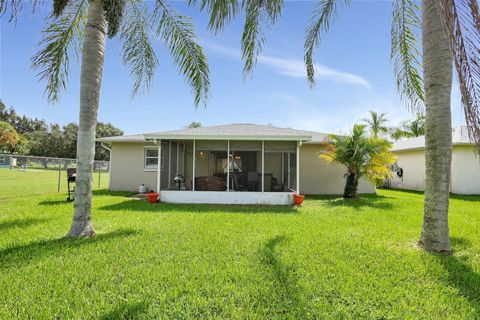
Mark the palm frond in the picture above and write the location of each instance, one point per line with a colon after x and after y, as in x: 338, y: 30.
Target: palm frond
x: 59, y: 6
x: 13, y: 7
x: 138, y: 54
x: 323, y: 13
x: 114, y: 10
x: 61, y: 37
x: 404, y: 53
x: 221, y: 12
x: 259, y: 14
x: 178, y: 34
x: 462, y: 21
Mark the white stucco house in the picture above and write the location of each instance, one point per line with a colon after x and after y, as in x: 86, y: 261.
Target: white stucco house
x: 236, y: 163
x: 410, y: 169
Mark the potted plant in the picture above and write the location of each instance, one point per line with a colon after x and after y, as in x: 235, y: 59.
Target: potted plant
x: 152, y: 196
x: 298, y: 199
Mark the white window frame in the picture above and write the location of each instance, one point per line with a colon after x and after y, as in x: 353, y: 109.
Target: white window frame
x: 150, y: 167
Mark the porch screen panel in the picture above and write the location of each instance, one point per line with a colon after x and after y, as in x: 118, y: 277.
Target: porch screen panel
x: 289, y: 170
x: 211, y: 145
x: 181, y: 159
x: 245, y: 165
x: 164, y: 165
x: 280, y: 146
x: 293, y: 170
x: 236, y: 145
x: 173, y: 163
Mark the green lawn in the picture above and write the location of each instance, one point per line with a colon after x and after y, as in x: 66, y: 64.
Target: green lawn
x: 331, y: 259
x: 16, y: 183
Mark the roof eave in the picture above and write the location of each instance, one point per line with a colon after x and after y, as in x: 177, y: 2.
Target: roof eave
x: 107, y: 140
x: 423, y: 147
x: 225, y: 137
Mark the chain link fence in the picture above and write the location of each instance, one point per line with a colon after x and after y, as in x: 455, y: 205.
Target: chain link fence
x: 60, y: 165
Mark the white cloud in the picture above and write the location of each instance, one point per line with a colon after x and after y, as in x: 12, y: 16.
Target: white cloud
x: 294, y: 67
x: 300, y: 114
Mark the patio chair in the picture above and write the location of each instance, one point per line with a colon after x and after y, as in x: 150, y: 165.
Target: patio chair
x: 277, y: 187
x: 71, y: 178
x: 252, y: 181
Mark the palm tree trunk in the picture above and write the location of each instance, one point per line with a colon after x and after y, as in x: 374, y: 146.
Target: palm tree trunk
x: 437, y: 64
x: 351, y: 186
x: 90, y: 82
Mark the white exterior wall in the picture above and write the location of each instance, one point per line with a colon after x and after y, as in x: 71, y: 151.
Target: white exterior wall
x: 222, y: 197
x: 465, y: 171
x: 465, y: 174
x: 320, y: 177
x: 413, y: 165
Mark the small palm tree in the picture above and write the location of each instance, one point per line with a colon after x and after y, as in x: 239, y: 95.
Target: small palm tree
x: 362, y: 155
x: 376, y: 123
x: 410, y: 129
x: 80, y: 27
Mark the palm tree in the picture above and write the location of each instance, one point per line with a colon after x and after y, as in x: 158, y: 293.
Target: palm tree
x: 437, y: 64
x: 459, y: 23
x: 448, y: 26
x: 85, y: 24
x: 410, y: 129
x: 450, y: 31
x: 362, y: 155
x: 376, y: 123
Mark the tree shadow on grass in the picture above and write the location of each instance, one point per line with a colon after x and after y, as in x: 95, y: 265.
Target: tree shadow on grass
x: 22, y: 254
x: 469, y: 198
x: 460, y: 274
x: 126, y: 311
x: 363, y: 201
x: 20, y: 223
x: 54, y: 202
x: 466, y: 198
x: 106, y: 192
x: 290, y: 303
x: 145, y: 206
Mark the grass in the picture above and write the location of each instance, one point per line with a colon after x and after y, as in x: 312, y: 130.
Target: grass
x: 16, y: 182
x: 330, y: 259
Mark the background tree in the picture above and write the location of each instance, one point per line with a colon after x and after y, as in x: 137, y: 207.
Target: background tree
x: 22, y: 124
x: 362, y: 155
x: 51, y: 140
x: 76, y: 24
x: 105, y: 130
x: 11, y: 141
x: 194, y: 124
x: 409, y: 129
x: 376, y: 123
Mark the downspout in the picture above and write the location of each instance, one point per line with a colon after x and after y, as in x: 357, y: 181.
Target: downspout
x: 109, y: 164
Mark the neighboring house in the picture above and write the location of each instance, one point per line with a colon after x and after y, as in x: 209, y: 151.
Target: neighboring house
x: 268, y: 164
x: 410, y: 169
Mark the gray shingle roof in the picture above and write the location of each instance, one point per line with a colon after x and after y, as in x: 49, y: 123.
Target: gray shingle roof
x: 124, y: 138
x: 230, y: 131
x: 459, y: 137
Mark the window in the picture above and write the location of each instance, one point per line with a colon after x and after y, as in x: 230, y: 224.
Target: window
x: 151, y: 157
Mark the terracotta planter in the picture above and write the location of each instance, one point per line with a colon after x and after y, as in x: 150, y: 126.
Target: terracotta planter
x: 298, y: 199
x: 152, y: 197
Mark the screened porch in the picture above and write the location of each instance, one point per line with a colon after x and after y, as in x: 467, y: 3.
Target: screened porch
x: 209, y: 167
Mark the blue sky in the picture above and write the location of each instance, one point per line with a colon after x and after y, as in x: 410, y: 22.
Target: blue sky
x: 355, y: 75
